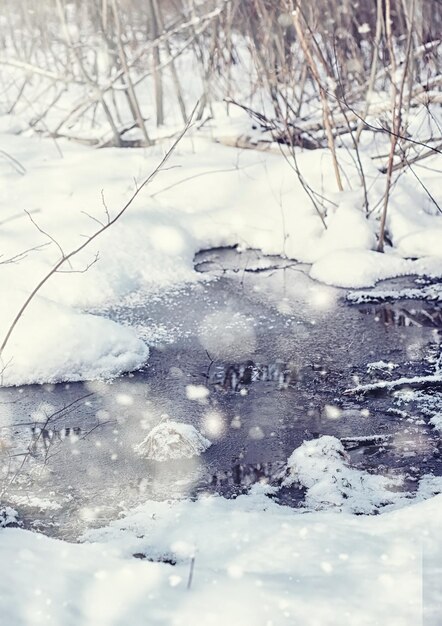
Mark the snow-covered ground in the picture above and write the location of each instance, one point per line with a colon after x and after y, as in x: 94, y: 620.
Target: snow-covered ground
x: 246, y: 561
x: 254, y: 564
x: 207, y: 195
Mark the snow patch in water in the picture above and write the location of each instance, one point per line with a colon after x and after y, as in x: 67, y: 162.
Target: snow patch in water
x: 172, y: 440
x: 322, y: 467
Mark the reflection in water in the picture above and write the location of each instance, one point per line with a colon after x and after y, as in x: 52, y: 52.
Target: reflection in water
x: 43, y: 437
x: 238, y: 376
x: 242, y: 476
x: 428, y: 316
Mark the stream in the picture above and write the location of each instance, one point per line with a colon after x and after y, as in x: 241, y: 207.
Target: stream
x: 275, y: 350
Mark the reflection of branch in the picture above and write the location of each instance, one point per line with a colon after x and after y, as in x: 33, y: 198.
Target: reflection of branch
x: 67, y: 257
x: 211, y: 362
x: 83, y: 436
x: 49, y: 419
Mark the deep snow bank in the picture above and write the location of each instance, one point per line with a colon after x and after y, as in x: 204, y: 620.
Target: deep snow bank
x: 256, y: 564
x: 54, y: 343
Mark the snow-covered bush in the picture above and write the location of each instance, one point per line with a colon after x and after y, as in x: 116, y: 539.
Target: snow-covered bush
x: 322, y: 467
x: 172, y: 440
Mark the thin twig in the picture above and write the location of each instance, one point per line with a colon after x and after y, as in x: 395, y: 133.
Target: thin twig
x: 67, y: 257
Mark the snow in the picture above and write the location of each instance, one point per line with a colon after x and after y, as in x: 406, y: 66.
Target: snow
x: 346, y: 229
x: 172, y: 440
x: 8, y: 517
x: 429, y: 486
x: 322, y: 467
x: 256, y: 564
x: 436, y: 421
x: 429, y: 293
x: 364, y: 29
x: 382, y: 366
x: 209, y: 195
x: 35, y: 502
x: 404, y: 381
x: 197, y: 392
x: 364, y: 268
x: 54, y: 343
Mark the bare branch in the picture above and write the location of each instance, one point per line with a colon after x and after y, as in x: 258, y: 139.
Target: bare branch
x: 16, y: 164
x: 67, y: 257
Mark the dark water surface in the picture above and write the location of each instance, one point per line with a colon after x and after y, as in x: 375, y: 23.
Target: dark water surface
x: 302, y: 344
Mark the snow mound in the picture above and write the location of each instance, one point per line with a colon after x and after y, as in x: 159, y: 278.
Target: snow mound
x: 53, y: 343
x: 173, y: 440
x: 347, y: 229
x: 436, y: 421
x: 357, y: 268
x: 429, y: 486
x: 8, y: 517
x: 322, y: 467
x: 422, y: 243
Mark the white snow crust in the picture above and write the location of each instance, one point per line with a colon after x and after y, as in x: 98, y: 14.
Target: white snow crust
x: 256, y: 563
x: 172, y: 440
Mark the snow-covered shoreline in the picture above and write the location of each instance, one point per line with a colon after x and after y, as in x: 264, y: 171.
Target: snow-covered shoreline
x: 211, y: 195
